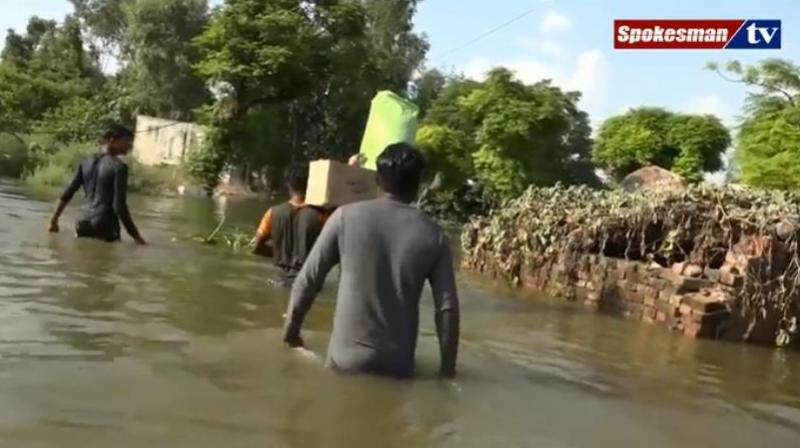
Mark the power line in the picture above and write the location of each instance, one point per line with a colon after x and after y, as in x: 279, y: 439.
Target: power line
x: 488, y: 33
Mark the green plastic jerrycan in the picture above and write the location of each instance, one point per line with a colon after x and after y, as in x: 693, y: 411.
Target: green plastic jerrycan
x: 392, y: 119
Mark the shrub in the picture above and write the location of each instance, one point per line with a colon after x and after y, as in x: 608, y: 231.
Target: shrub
x: 13, y: 156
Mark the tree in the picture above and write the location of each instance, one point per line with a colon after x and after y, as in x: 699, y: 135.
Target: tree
x: 508, y: 134
x: 159, y: 56
x: 399, y: 51
x: 767, y: 152
x: 687, y: 144
x: 448, y: 151
x: 427, y: 88
x: 104, y: 22
x: 42, y: 70
x: 306, y: 58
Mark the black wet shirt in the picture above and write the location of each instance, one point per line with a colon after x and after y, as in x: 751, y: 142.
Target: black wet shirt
x: 104, y: 179
x: 294, y: 232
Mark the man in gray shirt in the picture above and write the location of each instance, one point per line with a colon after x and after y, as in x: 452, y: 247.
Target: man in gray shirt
x: 387, y: 250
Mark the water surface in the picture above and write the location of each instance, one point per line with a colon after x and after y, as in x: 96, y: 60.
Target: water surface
x: 178, y: 345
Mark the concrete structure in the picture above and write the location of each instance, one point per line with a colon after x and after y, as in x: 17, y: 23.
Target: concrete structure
x: 165, y: 142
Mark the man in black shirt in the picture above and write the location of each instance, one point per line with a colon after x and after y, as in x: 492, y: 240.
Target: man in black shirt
x: 104, y: 178
x: 289, y: 230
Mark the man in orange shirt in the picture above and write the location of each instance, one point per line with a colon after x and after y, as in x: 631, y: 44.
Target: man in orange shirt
x: 288, y: 231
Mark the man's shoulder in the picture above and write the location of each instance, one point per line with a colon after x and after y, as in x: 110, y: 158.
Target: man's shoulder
x: 283, y: 207
x: 376, y: 207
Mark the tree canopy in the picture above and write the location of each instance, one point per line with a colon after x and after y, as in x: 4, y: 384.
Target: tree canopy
x: 508, y: 134
x: 689, y: 145
x: 767, y: 150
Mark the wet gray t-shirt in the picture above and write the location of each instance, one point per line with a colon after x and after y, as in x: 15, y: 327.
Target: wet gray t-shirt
x: 387, y: 251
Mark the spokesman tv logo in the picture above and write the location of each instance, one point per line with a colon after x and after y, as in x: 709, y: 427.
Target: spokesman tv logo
x: 697, y: 34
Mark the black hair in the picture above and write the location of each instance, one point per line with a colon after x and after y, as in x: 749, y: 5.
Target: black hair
x: 296, y: 178
x: 116, y: 131
x: 400, y: 169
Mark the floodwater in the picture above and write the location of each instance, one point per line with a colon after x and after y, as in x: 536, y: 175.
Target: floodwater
x: 178, y: 345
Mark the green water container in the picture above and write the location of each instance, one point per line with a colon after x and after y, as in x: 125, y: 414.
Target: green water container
x: 392, y: 119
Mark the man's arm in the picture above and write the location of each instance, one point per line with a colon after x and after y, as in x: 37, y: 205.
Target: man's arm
x: 263, y: 235
x: 69, y: 192
x: 445, y: 297
x: 323, y: 257
x: 121, y: 203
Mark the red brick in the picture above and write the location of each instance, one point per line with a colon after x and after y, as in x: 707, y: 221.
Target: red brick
x: 636, y: 297
x: 690, y: 285
x: 704, y: 304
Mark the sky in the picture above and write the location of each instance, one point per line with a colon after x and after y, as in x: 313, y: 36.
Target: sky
x: 570, y: 42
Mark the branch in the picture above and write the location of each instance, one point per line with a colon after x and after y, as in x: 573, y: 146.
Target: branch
x: 756, y: 83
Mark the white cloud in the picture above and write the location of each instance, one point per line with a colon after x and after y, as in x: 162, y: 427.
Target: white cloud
x: 545, y: 41
x: 554, y: 21
x: 587, y: 73
x: 707, y: 104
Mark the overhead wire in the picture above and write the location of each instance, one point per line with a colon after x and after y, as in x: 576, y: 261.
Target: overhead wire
x: 486, y: 34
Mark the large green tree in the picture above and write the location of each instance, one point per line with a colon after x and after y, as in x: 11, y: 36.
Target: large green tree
x: 397, y: 49
x: 687, y: 144
x: 152, y: 42
x: 159, y: 57
x: 768, y: 142
x: 304, y: 71
x: 507, y: 134
x: 260, y: 54
x: 42, y: 70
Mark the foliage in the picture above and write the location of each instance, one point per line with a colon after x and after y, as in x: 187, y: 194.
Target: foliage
x: 686, y: 144
x: 768, y: 141
x: 457, y: 205
x: 508, y: 134
x: 397, y: 50
x: 447, y: 151
x: 159, y: 57
x: 700, y: 225
x: 427, y: 88
x: 13, y: 156
x: 58, y: 165
x: 41, y: 70
x: 294, y: 79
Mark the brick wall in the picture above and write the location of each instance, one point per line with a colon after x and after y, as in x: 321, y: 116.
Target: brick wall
x: 688, y: 299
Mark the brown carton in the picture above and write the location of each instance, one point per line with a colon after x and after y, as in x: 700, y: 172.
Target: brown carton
x: 332, y: 183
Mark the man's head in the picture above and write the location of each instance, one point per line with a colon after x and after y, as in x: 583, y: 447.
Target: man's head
x: 118, y: 139
x: 400, y: 169
x: 296, y: 178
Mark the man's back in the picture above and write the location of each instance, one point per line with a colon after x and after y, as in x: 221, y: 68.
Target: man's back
x: 387, y: 250
x: 104, y: 179
x: 99, y: 172
x: 294, y: 232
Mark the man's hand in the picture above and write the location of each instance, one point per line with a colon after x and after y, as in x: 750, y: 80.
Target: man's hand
x: 294, y: 340
x: 53, y: 226
x: 356, y: 160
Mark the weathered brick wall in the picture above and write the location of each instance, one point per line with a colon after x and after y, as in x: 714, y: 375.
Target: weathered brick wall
x: 688, y: 299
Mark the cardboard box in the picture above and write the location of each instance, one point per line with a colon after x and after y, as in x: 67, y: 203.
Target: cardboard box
x: 332, y: 183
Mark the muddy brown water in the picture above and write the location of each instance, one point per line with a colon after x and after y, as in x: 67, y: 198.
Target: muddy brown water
x: 178, y: 345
